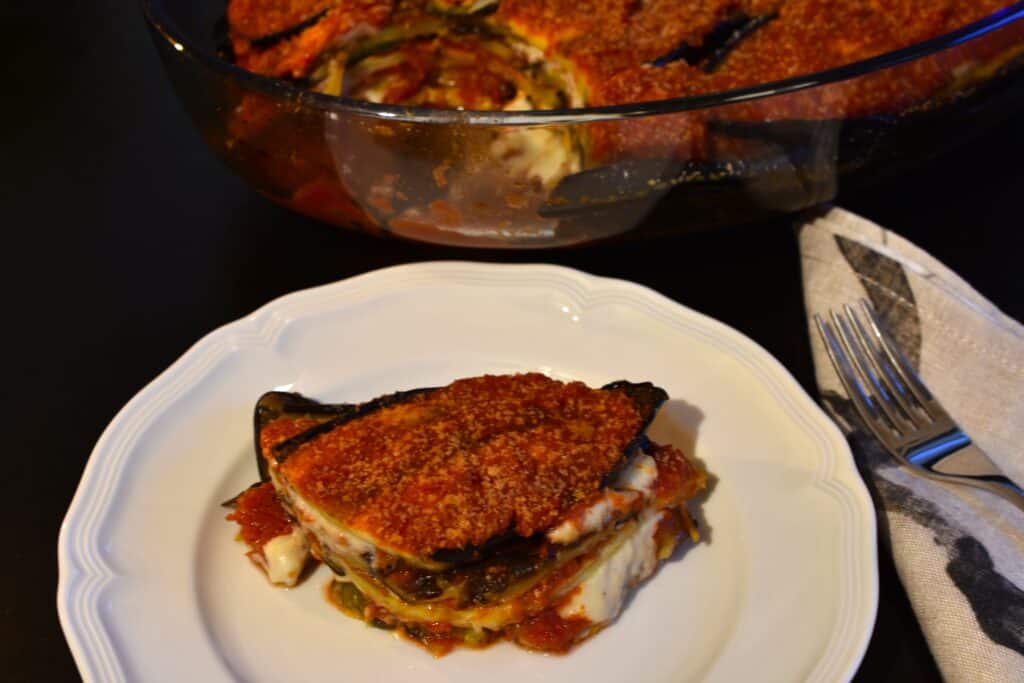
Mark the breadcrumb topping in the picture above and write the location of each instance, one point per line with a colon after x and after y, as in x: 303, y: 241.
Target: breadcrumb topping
x: 461, y: 464
x: 678, y: 478
x: 283, y: 429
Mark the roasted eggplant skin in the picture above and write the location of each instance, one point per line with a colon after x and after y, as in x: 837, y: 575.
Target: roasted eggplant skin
x: 646, y: 397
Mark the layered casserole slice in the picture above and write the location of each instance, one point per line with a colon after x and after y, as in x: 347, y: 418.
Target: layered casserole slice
x: 514, y: 506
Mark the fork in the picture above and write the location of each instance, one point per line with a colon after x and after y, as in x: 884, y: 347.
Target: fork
x: 898, y: 408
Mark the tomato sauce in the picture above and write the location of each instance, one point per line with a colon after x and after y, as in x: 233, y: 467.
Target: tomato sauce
x: 260, y: 516
x: 549, y: 632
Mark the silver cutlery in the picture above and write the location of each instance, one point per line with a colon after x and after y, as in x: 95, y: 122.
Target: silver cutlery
x: 898, y: 408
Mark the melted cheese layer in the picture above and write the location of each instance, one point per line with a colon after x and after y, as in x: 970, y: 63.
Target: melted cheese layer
x: 600, y: 596
x: 329, y: 533
x: 285, y: 556
x: 637, y: 478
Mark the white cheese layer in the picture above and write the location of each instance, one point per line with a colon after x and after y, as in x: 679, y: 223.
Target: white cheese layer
x: 336, y: 540
x: 285, y: 556
x: 638, y: 477
x: 600, y: 596
x: 594, y: 517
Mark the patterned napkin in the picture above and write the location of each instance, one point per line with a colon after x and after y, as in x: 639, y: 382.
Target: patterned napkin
x: 958, y: 551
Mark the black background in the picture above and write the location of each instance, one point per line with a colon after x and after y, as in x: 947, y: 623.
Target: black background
x: 125, y: 242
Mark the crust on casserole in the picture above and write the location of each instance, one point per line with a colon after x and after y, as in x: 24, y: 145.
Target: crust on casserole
x: 515, y: 506
x: 292, y: 38
x: 467, y: 462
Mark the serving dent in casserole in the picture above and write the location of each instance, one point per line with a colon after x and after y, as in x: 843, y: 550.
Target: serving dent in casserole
x: 498, y: 506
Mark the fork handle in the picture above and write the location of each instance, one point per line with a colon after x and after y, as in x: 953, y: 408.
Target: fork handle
x: 956, y: 460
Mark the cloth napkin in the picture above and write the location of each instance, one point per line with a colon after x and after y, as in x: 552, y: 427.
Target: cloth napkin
x: 959, y: 551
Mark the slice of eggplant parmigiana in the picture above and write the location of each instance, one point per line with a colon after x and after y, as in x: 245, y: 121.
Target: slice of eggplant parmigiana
x: 511, y: 506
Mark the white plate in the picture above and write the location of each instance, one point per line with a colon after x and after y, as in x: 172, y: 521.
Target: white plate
x: 153, y: 585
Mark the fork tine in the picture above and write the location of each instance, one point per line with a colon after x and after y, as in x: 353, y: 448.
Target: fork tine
x: 939, y: 449
x: 883, y: 369
x: 862, y: 400
x: 903, y: 368
x: 861, y: 365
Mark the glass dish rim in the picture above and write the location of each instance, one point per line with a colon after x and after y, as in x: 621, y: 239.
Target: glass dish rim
x: 165, y: 28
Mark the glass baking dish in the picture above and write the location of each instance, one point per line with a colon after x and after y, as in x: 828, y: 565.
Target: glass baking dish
x: 674, y: 165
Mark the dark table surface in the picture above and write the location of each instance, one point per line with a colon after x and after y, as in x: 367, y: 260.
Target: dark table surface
x: 126, y: 241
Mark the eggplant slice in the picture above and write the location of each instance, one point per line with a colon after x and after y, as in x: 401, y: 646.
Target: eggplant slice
x: 282, y: 405
x: 277, y: 405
